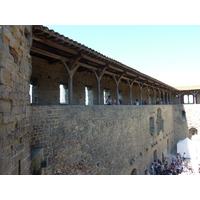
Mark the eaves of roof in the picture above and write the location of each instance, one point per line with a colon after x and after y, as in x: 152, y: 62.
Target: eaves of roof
x: 185, y: 88
x: 82, y: 48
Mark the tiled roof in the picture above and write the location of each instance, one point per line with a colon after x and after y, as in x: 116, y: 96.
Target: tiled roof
x: 88, y: 51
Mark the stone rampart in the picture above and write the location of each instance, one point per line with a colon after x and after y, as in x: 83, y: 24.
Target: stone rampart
x: 185, y: 118
x: 100, y: 139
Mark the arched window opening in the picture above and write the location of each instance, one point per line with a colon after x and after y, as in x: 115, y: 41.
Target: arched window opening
x: 63, y: 94
x: 159, y: 114
x: 134, y: 171
x: 106, y: 93
x: 151, y: 125
x: 159, y: 121
x: 183, y: 116
x: 192, y: 132
x: 33, y: 92
x: 155, y: 157
x: 88, y: 96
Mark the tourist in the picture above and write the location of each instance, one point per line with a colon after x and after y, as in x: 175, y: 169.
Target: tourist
x: 166, y: 163
x: 179, y: 156
x: 184, y: 156
x: 163, y: 158
x: 159, y: 162
x: 136, y: 102
x: 115, y: 102
x: 190, y: 167
x: 109, y: 100
x: 146, y: 172
x: 152, y: 169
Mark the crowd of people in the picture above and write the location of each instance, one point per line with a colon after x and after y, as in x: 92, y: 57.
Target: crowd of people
x: 109, y: 101
x: 177, y: 166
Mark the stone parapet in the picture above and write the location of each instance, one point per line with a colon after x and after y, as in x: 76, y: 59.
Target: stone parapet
x: 99, y: 139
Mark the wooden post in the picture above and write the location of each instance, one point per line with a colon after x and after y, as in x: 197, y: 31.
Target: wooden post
x: 140, y: 87
x: 99, y: 74
x: 148, y: 97
x: 159, y: 92
x: 164, y: 97
x: 71, y: 68
x: 140, y: 95
x: 70, y: 89
x: 130, y: 84
x: 154, y: 92
x: 167, y: 98
x: 117, y: 80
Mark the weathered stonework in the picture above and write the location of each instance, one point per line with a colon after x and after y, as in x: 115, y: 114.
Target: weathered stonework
x: 15, y: 126
x: 99, y: 139
x: 78, y: 139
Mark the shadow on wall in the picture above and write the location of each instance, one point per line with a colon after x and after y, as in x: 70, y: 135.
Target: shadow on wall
x: 182, y: 117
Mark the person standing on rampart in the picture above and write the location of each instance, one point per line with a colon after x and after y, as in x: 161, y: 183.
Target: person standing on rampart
x: 109, y: 100
x: 136, y: 102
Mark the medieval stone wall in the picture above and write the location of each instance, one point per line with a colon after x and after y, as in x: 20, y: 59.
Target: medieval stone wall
x: 100, y: 139
x: 77, y: 139
x: 185, y: 118
x: 15, y: 110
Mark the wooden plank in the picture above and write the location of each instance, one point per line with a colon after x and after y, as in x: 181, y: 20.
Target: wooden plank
x: 55, y: 45
x: 51, y: 55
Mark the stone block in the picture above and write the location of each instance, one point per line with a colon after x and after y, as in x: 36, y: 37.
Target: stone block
x: 11, y: 66
x: 12, y: 125
x: 28, y: 111
x: 5, y: 106
x: 1, y: 118
x: 15, y: 171
x: 8, y: 119
x: 5, y: 77
x: 2, y: 130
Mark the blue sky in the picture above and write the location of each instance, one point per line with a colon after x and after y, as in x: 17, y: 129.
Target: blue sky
x: 169, y: 53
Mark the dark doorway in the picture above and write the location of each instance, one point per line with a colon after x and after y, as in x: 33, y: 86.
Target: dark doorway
x: 155, y: 155
x: 134, y: 172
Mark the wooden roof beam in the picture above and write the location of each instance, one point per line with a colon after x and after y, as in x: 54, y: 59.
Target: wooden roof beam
x: 51, y: 55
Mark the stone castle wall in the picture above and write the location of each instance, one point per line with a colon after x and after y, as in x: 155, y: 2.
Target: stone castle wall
x: 15, y: 110
x: 100, y: 139
x: 77, y: 139
x: 182, y: 123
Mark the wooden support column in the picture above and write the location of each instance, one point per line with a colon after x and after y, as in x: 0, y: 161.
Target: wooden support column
x: 71, y: 68
x: 170, y: 98
x: 167, y: 98
x: 164, y: 97
x: 180, y: 95
x: 148, y: 97
x: 194, y: 93
x: 99, y: 74
x: 117, y: 80
x: 154, y: 95
x: 130, y: 84
x: 140, y: 85
x: 159, y: 93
